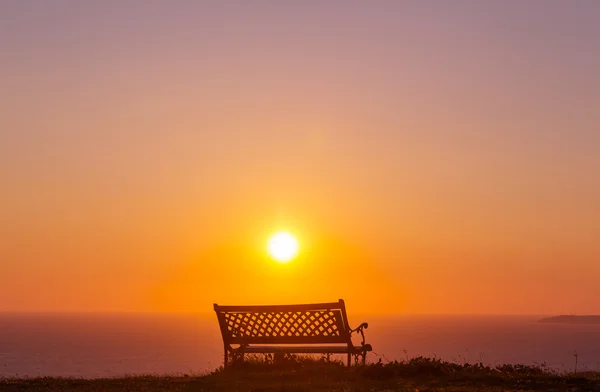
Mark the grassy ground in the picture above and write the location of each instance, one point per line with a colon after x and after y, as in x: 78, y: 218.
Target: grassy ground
x: 304, y: 375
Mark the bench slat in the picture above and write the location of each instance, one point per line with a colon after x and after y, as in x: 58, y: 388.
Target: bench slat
x: 289, y: 340
x: 300, y: 349
x: 278, y: 308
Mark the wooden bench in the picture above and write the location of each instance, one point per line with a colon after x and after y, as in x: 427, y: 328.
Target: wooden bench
x: 289, y: 329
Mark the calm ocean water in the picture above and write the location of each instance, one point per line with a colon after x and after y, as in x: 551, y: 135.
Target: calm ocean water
x: 107, y: 345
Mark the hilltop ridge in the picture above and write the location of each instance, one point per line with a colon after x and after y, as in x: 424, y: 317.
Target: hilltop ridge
x: 312, y: 375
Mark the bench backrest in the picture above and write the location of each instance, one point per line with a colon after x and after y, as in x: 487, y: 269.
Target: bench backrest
x: 284, y: 324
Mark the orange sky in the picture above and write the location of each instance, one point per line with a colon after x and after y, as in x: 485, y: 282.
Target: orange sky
x: 429, y: 159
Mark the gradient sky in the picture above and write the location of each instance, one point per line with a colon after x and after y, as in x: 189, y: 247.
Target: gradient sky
x: 431, y: 156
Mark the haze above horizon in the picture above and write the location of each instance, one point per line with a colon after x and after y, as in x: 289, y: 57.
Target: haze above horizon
x: 429, y: 157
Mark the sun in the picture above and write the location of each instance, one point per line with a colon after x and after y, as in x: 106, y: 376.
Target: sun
x: 283, y: 246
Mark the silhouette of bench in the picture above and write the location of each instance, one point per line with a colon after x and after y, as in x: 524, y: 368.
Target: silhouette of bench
x: 289, y: 329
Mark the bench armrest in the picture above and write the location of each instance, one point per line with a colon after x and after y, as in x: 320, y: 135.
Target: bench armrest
x: 361, y: 329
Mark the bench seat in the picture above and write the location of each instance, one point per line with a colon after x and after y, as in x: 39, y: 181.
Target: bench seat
x: 302, y: 349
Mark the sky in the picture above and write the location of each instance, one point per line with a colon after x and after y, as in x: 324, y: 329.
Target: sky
x: 430, y: 156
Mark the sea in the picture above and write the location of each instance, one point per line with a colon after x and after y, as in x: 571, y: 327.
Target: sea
x: 111, y: 345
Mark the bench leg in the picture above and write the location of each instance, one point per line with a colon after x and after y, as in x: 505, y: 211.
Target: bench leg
x: 349, y: 359
x: 225, y: 356
x: 364, y: 359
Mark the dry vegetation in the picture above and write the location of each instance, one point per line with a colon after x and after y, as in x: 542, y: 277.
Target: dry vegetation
x: 308, y: 375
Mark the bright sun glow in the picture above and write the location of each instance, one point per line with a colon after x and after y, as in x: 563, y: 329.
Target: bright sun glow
x: 283, y: 246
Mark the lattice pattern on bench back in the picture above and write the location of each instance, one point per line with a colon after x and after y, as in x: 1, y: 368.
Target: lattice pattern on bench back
x: 307, y: 326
